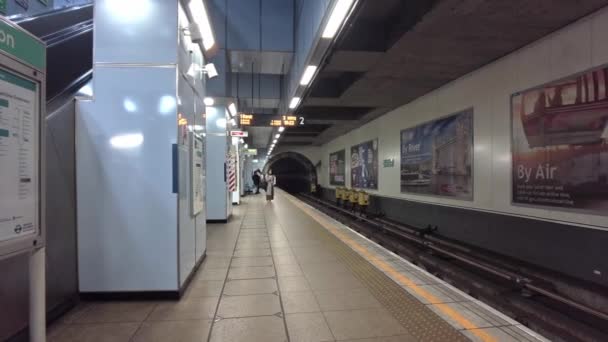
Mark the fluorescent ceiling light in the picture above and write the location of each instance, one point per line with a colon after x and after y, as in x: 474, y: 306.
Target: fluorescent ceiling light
x: 232, y: 109
x: 337, y: 17
x: 277, y: 136
x: 294, y: 103
x: 199, y: 14
x: 274, y: 141
x: 281, y: 129
x: 209, y: 101
x: 308, y: 74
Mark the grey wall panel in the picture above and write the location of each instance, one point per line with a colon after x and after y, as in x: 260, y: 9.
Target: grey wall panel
x: 243, y: 25
x: 277, y: 25
x: 217, y: 191
x: 148, y: 25
x: 218, y: 86
x: 13, y: 296
x: 264, y: 86
x: 62, y: 277
x: 127, y: 212
x: 270, y: 86
x: 62, y: 267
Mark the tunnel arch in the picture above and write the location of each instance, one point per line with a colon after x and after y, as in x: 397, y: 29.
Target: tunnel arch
x: 295, y: 173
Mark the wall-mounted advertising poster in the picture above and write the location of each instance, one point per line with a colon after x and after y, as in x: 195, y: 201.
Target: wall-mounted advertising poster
x: 437, y: 157
x: 560, y: 143
x: 337, y: 168
x: 364, y: 165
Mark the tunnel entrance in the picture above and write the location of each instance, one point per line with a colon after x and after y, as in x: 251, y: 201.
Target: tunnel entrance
x: 294, y: 172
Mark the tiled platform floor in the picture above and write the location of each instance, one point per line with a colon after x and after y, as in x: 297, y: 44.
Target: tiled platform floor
x: 269, y: 276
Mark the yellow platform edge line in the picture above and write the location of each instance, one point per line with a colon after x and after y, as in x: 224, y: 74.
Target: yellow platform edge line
x: 400, y: 278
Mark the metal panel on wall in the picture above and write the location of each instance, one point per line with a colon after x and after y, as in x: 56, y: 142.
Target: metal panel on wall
x: 277, y: 25
x: 122, y: 25
x: 126, y: 203
x: 244, y: 25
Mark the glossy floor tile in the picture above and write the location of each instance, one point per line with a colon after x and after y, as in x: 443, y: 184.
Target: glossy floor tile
x: 271, y: 274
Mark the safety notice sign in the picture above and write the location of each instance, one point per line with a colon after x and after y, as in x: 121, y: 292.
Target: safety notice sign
x: 18, y: 156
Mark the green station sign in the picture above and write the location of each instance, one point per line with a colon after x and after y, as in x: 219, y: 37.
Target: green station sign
x: 22, y: 46
x: 3, y: 6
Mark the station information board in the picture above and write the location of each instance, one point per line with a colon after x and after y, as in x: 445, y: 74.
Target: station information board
x: 22, y: 67
x: 18, y: 156
x: 270, y: 120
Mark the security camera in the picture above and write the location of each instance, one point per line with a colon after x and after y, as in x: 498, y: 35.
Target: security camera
x: 210, y: 70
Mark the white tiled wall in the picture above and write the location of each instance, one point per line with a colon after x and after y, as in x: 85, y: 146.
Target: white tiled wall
x: 576, y: 48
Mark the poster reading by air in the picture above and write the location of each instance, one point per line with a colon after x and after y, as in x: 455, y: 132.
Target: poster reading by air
x: 364, y: 165
x: 437, y: 157
x: 337, y: 168
x: 560, y: 150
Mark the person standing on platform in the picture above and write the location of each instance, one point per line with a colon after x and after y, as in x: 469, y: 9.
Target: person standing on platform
x: 271, y: 181
x: 257, y: 178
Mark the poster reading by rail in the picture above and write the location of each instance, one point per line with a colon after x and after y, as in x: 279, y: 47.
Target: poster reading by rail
x: 437, y: 157
x: 337, y: 168
x: 364, y: 165
x: 560, y: 150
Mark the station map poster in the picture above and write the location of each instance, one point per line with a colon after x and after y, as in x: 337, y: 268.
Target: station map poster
x: 559, y: 143
x: 364, y: 165
x: 337, y: 168
x: 437, y: 157
x: 18, y: 156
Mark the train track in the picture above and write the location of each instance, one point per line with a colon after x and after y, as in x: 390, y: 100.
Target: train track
x: 558, y: 307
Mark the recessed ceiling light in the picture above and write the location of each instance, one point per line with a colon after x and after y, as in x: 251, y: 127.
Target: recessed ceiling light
x: 308, y: 75
x: 199, y: 14
x: 209, y: 101
x: 294, y: 103
x: 281, y: 129
x: 337, y: 17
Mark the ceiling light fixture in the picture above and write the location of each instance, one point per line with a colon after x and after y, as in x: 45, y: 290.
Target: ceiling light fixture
x: 281, y: 129
x: 201, y: 28
x: 309, y: 73
x: 336, y: 19
x: 294, y: 103
x: 277, y: 136
x: 274, y: 141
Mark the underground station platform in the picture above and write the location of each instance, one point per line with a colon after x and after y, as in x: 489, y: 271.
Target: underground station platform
x: 284, y: 271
